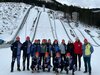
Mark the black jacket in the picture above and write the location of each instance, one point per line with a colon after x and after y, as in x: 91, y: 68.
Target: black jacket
x: 26, y: 47
x: 70, y: 49
x: 15, y: 49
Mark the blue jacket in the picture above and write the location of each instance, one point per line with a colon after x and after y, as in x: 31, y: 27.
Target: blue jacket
x: 56, y: 48
x: 91, y: 49
x: 35, y: 48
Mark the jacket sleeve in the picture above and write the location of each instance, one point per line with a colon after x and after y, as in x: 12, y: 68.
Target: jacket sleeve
x: 92, y: 49
x: 32, y: 51
x: 12, y: 47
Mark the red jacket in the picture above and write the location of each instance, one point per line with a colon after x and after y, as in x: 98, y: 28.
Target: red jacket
x: 78, y: 47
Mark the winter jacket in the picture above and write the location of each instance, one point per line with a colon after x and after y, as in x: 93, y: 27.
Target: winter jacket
x: 78, y: 47
x: 26, y: 47
x: 58, y: 62
x: 70, y: 49
x: 35, y: 62
x: 55, y: 48
x: 69, y: 62
x: 87, y: 50
x: 16, y: 48
x: 47, y: 61
x: 63, y: 48
x: 43, y: 48
x: 35, y: 48
x: 49, y: 48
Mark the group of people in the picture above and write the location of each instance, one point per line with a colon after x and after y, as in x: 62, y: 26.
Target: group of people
x: 64, y: 56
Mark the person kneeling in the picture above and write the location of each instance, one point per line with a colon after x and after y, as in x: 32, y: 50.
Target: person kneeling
x: 35, y: 62
x: 46, y: 63
x: 69, y: 63
x: 58, y: 63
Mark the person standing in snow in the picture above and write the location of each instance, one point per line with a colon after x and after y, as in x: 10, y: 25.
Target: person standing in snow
x: 70, y: 49
x: 43, y: 50
x: 78, y: 52
x: 16, y: 53
x: 63, y: 48
x: 55, y: 49
x: 49, y: 47
x: 26, y: 47
x: 35, y: 49
x: 87, y: 49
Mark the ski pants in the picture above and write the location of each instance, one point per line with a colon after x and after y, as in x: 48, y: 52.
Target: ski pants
x: 28, y: 60
x: 79, y: 60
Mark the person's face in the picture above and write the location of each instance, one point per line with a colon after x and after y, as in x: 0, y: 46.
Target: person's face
x: 63, y: 41
x: 38, y: 41
x: 49, y: 41
x: 56, y: 42
x: 77, y: 40
x: 69, y: 42
x: 85, y: 42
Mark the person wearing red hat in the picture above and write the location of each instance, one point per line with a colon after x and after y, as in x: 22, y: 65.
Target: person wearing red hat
x: 28, y: 38
x: 43, y: 50
x: 35, y: 51
x: 68, y: 63
x: 58, y: 63
x: 35, y: 62
x: 16, y: 53
x: 49, y: 46
x: 87, y: 51
x: 46, y: 63
x: 55, y: 49
x: 78, y: 52
x: 17, y: 38
x: 26, y: 47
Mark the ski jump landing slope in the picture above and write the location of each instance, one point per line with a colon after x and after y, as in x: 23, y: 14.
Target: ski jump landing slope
x: 44, y: 30
x: 26, y: 30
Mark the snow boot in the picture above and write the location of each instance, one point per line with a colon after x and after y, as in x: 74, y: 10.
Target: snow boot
x: 67, y: 71
x: 23, y: 68
x: 18, y: 67
x: 28, y: 68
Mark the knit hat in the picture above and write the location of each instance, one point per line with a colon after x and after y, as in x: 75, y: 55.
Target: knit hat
x: 43, y: 40
x: 35, y: 41
x: 63, y: 41
x: 27, y: 38
x: 85, y: 40
x: 55, y: 40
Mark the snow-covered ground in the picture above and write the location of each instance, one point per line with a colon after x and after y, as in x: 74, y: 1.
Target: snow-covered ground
x: 5, y: 62
x: 47, y: 27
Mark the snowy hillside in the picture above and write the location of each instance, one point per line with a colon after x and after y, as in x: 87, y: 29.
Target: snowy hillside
x: 40, y: 24
x: 82, y: 3
x: 11, y: 16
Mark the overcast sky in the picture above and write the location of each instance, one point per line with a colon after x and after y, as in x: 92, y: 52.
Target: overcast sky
x: 82, y: 3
